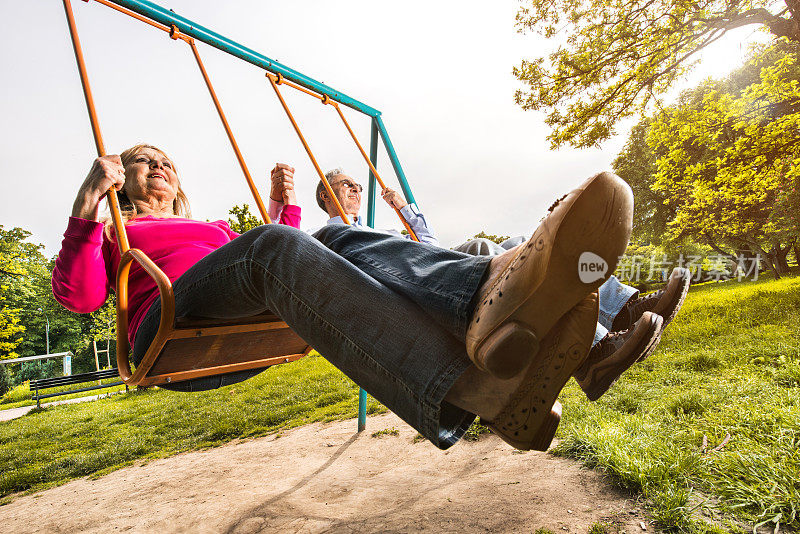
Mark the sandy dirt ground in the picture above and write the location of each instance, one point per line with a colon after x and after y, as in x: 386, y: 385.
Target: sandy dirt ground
x: 327, y: 478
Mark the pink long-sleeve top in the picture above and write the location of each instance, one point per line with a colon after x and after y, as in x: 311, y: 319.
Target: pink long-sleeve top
x: 86, y: 267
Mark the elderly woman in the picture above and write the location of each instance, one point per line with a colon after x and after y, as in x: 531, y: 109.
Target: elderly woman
x: 436, y: 335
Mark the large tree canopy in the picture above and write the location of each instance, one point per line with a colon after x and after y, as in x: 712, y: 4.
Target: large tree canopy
x: 27, y: 306
x: 722, y: 165
x: 15, y: 265
x: 616, y: 56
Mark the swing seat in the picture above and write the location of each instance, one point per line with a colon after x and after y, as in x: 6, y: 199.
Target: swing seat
x: 189, y: 348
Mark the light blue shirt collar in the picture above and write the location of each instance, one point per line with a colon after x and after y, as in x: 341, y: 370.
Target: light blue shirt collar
x: 338, y: 220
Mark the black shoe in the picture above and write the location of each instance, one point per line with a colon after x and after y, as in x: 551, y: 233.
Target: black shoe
x: 664, y: 302
x: 616, y: 352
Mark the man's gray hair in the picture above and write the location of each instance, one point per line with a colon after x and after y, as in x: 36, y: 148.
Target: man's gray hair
x: 330, y: 175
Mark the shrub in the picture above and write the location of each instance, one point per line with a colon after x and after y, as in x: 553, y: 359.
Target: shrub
x: 5, y: 380
x: 35, y: 370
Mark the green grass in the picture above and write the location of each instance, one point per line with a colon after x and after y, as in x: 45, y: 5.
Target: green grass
x: 728, y: 364
x: 53, y: 445
x: 602, y: 528
x: 386, y: 432
x: 21, y: 394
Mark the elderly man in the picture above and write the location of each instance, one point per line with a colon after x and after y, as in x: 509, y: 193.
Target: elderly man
x: 348, y: 192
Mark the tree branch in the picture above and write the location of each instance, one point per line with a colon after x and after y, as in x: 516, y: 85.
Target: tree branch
x: 779, y: 26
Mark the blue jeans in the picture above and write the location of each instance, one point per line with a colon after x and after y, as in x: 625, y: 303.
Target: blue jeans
x: 613, y: 294
x: 390, y: 313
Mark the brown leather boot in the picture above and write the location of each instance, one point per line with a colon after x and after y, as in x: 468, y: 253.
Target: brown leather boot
x: 616, y: 352
x: 664, y: 302
x: 575, y: 249
x: 530, y: 418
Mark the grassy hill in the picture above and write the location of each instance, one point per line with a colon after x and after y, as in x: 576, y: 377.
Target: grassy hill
x: 729, y: 365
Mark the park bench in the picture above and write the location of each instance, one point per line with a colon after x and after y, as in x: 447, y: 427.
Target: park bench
x: 48, y: 383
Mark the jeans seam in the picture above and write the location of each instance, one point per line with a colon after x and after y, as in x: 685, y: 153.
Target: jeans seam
x: 446, y: 374
x: 464, y: 303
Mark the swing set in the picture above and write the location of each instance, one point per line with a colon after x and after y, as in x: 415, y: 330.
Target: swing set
x: 186, y: 348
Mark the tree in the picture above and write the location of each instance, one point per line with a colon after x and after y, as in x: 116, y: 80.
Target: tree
x: 729, y: 163
x: 15, y: 264
x: 615, y: 58
x: 723, y: 161
x: 244, y: 219
x: 491, y: 237
x: 636, y: 164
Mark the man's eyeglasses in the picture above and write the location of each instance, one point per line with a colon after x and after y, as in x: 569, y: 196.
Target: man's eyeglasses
x: 350, y: 185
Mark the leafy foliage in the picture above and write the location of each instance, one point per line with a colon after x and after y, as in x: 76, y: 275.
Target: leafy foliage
x: 16, y: 263
x: 244, y: 219
x: 5, y: 381
x: 33, y: 370
x: 728, y: 158
x: 720, y: 166
x: 636, y: 164
x: 614, y: 58
x: 491, y: 237
x: 27, y: 305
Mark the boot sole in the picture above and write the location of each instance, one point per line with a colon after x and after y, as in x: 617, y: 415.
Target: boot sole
x: 604, y: 375
x: 545, y: 435
x: 602, y: 228
x: 531, y: 418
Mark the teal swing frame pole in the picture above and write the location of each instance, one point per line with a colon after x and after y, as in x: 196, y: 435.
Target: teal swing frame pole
x: 169, y: 18
x: 200, y: 33
x: 372, y: 187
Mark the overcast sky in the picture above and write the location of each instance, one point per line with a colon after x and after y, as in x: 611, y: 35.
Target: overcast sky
x: 439, y: 71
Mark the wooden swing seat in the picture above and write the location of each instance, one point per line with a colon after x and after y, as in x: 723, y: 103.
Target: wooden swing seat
x: 187, y: 348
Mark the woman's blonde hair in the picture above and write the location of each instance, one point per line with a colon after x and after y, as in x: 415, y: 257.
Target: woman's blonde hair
x: 180, y: 206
